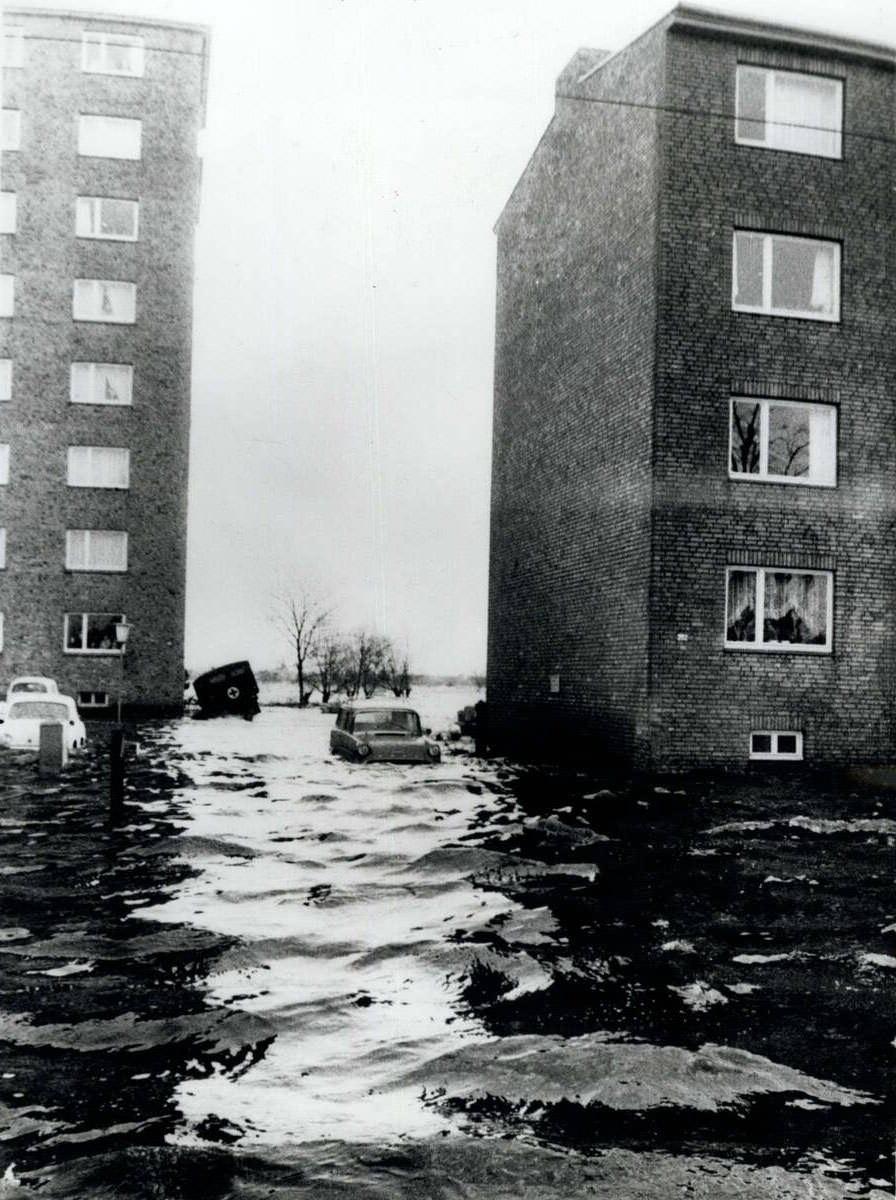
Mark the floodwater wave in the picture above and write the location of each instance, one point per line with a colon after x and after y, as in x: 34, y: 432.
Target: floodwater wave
x: 288, y: 974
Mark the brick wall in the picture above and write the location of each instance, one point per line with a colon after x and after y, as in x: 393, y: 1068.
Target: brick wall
x: 574, y: 374
x: 42, y: 339
x: 704, y: 699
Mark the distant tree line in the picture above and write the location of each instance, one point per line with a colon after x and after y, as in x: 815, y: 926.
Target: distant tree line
x: 334, y: 663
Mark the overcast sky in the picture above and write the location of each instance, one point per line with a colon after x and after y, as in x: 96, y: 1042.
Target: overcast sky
x: 356, y: 156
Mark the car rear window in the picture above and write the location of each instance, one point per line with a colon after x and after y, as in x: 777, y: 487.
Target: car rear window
x: 37, y: 710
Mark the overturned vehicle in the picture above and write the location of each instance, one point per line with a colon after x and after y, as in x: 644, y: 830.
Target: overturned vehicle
x: 230, y: 689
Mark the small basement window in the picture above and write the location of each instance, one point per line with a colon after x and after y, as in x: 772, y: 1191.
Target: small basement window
x: 767, y: 744
x: 93, y: 699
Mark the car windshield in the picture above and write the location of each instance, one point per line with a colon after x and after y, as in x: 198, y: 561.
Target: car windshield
x: 392, y: 720
x: 37, y: 710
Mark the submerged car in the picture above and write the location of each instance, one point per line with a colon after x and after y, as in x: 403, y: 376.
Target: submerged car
x: 228, y: 689
x: 382, y: 732
x: 25, y: 713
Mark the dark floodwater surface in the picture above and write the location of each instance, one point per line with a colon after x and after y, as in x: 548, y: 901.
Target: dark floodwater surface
x: 287, y: 976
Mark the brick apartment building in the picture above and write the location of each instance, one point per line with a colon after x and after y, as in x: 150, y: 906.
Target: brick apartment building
x: 693, y: 554
x: 99, y: 189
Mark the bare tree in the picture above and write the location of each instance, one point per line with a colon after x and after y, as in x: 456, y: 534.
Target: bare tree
x: 367, y: 663
x: 330, y: 657
x: 300, y: 618
x: 397, y: 671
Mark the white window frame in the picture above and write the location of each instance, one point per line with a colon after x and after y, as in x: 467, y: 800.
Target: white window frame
x: 768, y: 240
x: 69, y: 533
x: 12, y: 125
x: 763, y: 475
x: 93, y: 312
x: 103, y: 41
x: 7, y: 295
x: 762, y: 647
x: 5, y: 379
x: 88, y: 217
x: 93, y: 702
x: 8, y: 212
x: 73, y: 454
x: 772, y: 127
x: 91, y: 374
x: 2, y: 549
x: 4, y: 464
x: 84, y: 136
x: 776, y: 755
x: 80, y: 650
x: 13, y: 46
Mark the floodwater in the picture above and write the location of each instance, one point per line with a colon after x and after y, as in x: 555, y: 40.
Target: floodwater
x: 288, y: 976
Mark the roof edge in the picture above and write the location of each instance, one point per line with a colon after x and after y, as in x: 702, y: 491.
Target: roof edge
x: 711, y: 21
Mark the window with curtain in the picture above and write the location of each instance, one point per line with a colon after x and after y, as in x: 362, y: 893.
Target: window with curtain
x: 10, y: 129
x: 112, y: 54
x: 98, y: 466
x: 782, y: 441
x: 96, y: 550
x: 106, y: 217
x: 7, y: 212
x: 92, y: 633
x: 105, y: 300
x: 101, y: 383
x: 788, y: 110
x: 7, y: 295
x: 786, y: 276
x: 109, y: 137
x: 772, y: 609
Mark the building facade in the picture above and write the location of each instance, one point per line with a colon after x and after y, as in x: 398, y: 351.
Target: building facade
x: 99, y: 192
x: 693, y: 557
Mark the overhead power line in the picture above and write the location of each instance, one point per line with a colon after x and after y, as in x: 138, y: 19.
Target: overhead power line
x: 708, y: 113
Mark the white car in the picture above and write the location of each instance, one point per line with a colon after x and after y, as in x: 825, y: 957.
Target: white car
x: 26, y: 712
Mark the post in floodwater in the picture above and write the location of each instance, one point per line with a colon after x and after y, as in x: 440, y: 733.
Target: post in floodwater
x: 116, y: 773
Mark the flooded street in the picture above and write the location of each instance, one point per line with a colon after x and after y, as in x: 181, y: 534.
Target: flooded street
x: 287, y: 975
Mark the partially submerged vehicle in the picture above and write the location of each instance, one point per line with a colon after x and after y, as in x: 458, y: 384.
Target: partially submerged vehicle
x: 26, y: 712
x: 380, y: 731
x: 230, y: 689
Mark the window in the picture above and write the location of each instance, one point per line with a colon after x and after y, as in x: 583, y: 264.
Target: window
x: 786, y: 276
x: 784, y: 110
x: 7, y: 295
x: 4, y: 462
x: 109, y: 137
x: 5, y: 378
x: 1, y: 630
x: 7, y: 212
x: 796, y: 609
x: 93, y: 699
x: 101, y: 383
x: 2, y: 548
x: 92, y: 633
x: 104, y: 217
x: 773, y: 743
x: 105, y: 300
x: 96, y: 550
x: 10, y: 129
x: 98, y: 466
x: 13, y: 46
x: 111, y: 54
x: 780, y: 441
